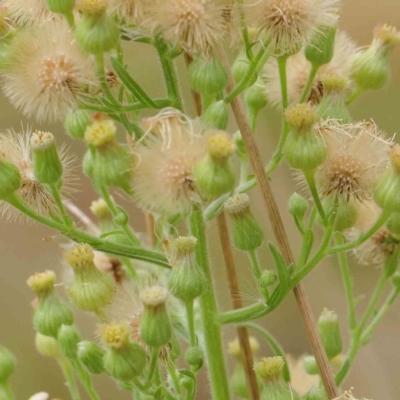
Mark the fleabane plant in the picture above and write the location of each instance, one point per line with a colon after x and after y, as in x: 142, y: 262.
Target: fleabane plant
x: 152, y: 294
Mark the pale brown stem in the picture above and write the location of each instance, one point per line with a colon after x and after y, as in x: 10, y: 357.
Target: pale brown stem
x: 82, y: 217
x: 237, y: 303
x: 283, y: 241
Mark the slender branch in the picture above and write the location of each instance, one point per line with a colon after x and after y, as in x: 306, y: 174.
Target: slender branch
x: 283, y: 243
x: 84, y: 218
x: 237, y: 304
x: 310, y: 80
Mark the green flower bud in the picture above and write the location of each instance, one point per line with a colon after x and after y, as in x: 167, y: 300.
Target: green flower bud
x: 393, y: 223
x: 61, y: 6
x: 239, y: 382
x: 320, y: 49
x: 76, y: 123
x: 270, y: 370
x: 91, y: 356
x: 216, y: 115
x: 155, y: 325
x: 387, y: 189
x: 214, y: 174
x: 328, y: 328
x: 68, y: 338
x: 297, y: 205
x: 267, y: 278
x: 10, y: 179
x: 108, y: 163
x: 333, y: 104
x: 97, y: 33
x: 51, y: 312
x: 346, y: 212
x: 194, y: 357
x: 255, y: 98
x: 123, y: 358
x: 241, y: 67
x: 47, y: 346
x: 310, y: 365
x: 207, y: 76
x: 240, y: 147
x: 187, y: 280
x: 247, y: 234
x: 47, y: 166
x: 316, y: 393
x: 91, y: 289
x: 304, y: 148
x: 7, y: 364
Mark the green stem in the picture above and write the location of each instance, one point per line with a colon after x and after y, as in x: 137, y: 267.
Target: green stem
x: 116, y: 212
x: 257, y: 273
x: 310, y: 80
x: 174, y: 378
x: 153, y: 364
x: 240, y: 315
x: 9, y: 393
x: 85, y: 380
x: 310, y: 178
x: 69, y: 17
x: 190, y: 319
x: 55, y: 191
x: 356, y: 93
x: 341, y: 375
x: 282, y: 66
x: 209, y: 313
x: 245, y: 32
x: 348, y: 285
x: 69, y: 378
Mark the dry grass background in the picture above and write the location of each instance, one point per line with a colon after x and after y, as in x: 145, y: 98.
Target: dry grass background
x: 23, y: 250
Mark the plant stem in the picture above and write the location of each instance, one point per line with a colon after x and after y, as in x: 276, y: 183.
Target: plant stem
x: 283, y: 244
x: 234, y: 289
x: 348, y: 285
x: 7, y: 389
x: 55, y: 191
x: 245, y: 32
x: 153, y: 364
x: 69, y: 378
x: 190, y: 319
x: 310, y: 178
x: 209, y: 312
x: 174, y: 378
x: 310, y: 80
x: 85, y: 379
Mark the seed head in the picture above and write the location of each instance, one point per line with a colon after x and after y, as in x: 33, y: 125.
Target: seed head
x: 28, y: 12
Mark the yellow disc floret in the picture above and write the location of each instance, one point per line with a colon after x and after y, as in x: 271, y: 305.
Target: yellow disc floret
x: 270, y: 368
x: 42, y: 281
x: 220, y: 145
x: 114, y: 335
x: 100, y: 132
x: 80, y: 256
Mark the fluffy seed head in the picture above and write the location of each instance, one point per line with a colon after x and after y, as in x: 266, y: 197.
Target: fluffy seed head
x: 298, y: 70
x: 154, y: 296
x: 387, y: 36
x: 235, y: 349
x: 48, y: 73
x: 290, y: 24
x: 357, y: 156
x: 195, y: 25
x: 238, y: 204
x: 100, y: 132
x: 114, y: 335
x: 27, y: 12
x: 220, y: 146
x: 163, y: 180
x: 16, y: 148
x: 394, y: 156
x: 42, y: 281
x: 270, y: 368
x: 80, y: 256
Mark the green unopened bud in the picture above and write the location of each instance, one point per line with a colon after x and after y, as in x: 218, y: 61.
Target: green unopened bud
x: 7, y: 364
x: 216, y: 115
x: 328, y: 328
x: 304, y: 148
x: 47, y: 346
x: 91, y: 289
x: 194, y: 357
x: 241, y: 67
x: 46, y: 163
x: 346, y: 211
x: 91, y: 356
x: 155, y: 325
x: 239, y: 382
x: 123, y: 358
x: 51, y: 312
x: 387, y: 190
x: 68, y: 338
x: 393, y: 223
x: 270, y: 370
x: 10, y: 179
x: 214, y: 174
x: 240, y: 147
x: 319, y: 50
x: 267, y: 278
x: 64, y: 7
x: 316, y: 393
x: 187, y: 280
x: 76, y: 123
x: 97, y: 33
x: 310, y: 365
x: 297, y: 205
x: 108, y: 163
x: 247, y: 234
x: 255, y: 97
x: 207, y: 76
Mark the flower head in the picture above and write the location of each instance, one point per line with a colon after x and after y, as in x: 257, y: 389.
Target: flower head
x: 16, y: 148
x: 195, y: 25
x: 290, y: 24
x: 298, y: 69
x: 163, y: 182
x: 48, y: 73
x: 27, y: 12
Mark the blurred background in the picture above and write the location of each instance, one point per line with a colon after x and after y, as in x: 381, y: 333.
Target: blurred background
x: 25, y: 249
